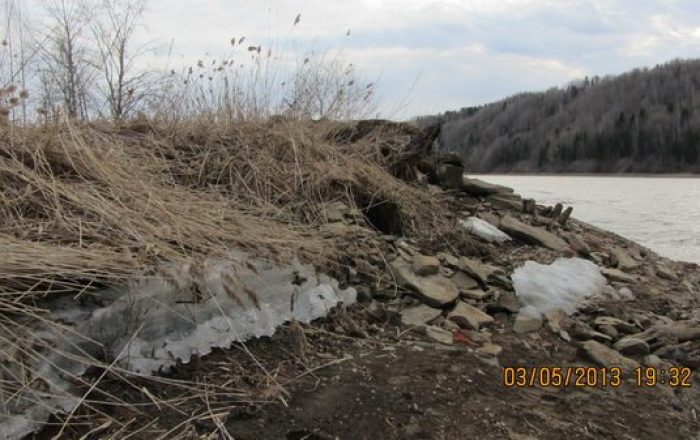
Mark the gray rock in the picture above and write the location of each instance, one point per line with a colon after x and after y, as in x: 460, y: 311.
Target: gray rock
x: 476, y: 294
x: 506, y: 302
x: 489, y: 349
x: 418, y: 315
x: 618, y: 275
x: 609, y: 330
x: 564, y: 217
x: 424, y: 265
x: 618, y: 324
x: 477, y: 269
x: 450, y: 175
x: 526, y: 324
x: 433, y: 290
x: 469, y: 317
x: 578, y: 244
x: 532, y: 235
x: 557, y: 320
x: 623, y: 260
x: 464, y: 281
x: 632, y: 346
x: 479, y: 187
x: 506, y: 201
x: 438, y: 335
x: 606, y: 356
x: 490, y: 218
x: 666, y: 272
x: 626, y: 294
x: 652, y: 360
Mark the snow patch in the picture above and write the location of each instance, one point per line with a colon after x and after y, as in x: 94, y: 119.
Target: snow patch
x: 564, y: 284
x: 484, y: 229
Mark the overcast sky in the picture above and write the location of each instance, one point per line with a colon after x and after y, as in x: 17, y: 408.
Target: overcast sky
x: 435, y: 55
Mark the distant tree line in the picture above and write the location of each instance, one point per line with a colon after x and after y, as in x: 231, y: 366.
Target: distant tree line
x: 647, y: 120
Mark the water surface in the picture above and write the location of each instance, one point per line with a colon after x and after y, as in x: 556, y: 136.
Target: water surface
x: 662, y: 213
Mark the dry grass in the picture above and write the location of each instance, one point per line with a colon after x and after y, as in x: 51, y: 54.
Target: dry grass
x: 85, y: 207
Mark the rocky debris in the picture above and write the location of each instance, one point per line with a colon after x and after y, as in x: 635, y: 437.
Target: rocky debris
x: 578, y: 244
x: 626, y: 294
x: 506, y: 302
x: 479, y: 187
x: 666, y: 272
x: 477, y: 269
x: 532, y: 235
x: 623, y: 260
x: 490, y: 349
x: 468, y: 316
x: 483, y: 229
x: 424, y: 265
x: 476, y: 294
x: 619, y: 276
x: 526, y: 323
x: 618, y: 324
x: 506, y: 201
x: 464, y: 282
x: 490, y: 217
x: 437, y: 334
x: 606, y: 356
x: 419, y: 315
x: 558, y: 321
x: 450, y: 175
x: 434, y: 290
x: 583, y: 332
x: 632, y: 346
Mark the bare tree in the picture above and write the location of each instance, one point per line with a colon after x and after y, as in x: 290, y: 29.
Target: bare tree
x: 65, y: 65
x: 121, y: 84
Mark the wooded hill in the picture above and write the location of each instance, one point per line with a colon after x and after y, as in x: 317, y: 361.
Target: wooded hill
x: 646, y: 120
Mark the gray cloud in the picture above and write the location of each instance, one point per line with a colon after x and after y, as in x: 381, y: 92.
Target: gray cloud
x: 448, y: 53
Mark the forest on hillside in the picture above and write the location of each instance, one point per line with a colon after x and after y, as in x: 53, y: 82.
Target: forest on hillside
x: 644, y: 121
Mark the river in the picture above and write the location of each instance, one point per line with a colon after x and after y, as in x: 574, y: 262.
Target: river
x: 662, y: 213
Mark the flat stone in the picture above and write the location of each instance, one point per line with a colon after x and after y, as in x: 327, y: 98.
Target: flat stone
x: 623, y: 260
x: 489, y: 349
x: 606, y: 356
x: 418, y: 315
x: 505, y: 303
x: 506, y: 201
x: 479, y: 187
x: 469, y: 317
x: 464, y: 281
x: 434, y: 290
x: 424, y: 265
x: 609, y: 330
x: 557, y: 320
x: 626, y: 294
x: 438, y: 335
x: 477, y: 269
x: 532, y: 235
x: 618, y: 275
x: 632, y: 346
x: 578, y: 244
x: 476, y: 294
x: 449, y: 259
x: 666, y: 273
x: 619, y: 324
x: 526, y: 324
x: 490, y: 218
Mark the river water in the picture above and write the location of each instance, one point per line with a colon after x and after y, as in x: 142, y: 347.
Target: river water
x: 662, y: 213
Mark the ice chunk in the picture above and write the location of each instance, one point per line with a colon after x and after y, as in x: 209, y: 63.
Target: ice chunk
x: 564, y: 284
x: 157, y: 322
x: 484, y: 229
